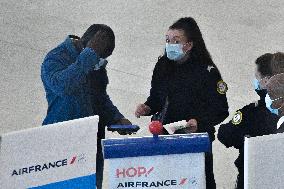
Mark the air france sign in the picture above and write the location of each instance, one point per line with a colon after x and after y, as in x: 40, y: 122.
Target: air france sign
x: 169, y: 162
x: 47, y: 166
x: 51, y: 156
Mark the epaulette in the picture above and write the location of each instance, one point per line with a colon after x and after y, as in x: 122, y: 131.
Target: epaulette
x: 209, y: 68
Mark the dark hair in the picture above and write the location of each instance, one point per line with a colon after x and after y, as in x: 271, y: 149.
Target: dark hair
x: 93, y: 29
x: 277, y: 63
x: 264, y: 64
x: 193, y: 34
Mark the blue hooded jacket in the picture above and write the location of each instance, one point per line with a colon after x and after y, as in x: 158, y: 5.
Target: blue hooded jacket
x: 73, y: 88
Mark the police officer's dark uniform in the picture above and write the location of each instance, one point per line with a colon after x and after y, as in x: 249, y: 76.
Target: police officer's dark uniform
x: 253, y: 120
x: 193, y: 91
x: 281, y: 129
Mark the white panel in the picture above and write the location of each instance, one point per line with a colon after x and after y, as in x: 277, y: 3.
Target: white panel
x: 72, y: 144
x: 181, y: 171
x: 264, y: 162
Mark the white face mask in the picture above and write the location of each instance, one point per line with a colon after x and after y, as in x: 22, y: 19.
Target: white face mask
x: 256, y: 84
x: 102, y: 62
x: 269, y: 101
x: 174, y: 51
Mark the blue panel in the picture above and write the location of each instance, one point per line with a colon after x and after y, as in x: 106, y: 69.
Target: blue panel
x: 152, y: 146
x: 86, y: 182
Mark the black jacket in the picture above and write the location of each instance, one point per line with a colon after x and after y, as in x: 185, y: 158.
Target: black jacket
x: 192, y: 91
x: 281, y: 129
x: 253, y: 120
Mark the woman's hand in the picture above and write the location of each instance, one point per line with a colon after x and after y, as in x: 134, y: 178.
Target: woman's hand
x: 191, y: 126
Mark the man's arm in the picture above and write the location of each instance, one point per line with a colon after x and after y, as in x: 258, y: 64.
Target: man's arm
x: 65, y: 79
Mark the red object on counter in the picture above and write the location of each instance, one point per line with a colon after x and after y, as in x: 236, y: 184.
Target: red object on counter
x: 156, y: 128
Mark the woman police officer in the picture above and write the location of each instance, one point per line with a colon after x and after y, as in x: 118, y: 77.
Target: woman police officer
x: 189, y: 83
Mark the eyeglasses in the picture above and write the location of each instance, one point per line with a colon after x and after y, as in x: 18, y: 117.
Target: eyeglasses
x: 265, y: 80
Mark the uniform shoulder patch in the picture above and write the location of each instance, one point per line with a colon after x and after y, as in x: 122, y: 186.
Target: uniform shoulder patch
x: 222, y: 87
x: 237, y: 118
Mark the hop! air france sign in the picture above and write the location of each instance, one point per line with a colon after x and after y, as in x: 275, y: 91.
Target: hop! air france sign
x: 164, y: 162
x: 143, y: 172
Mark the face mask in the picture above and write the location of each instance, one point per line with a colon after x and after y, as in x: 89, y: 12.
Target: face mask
x: 256, y: 84
x: 102, y: 62
x: 261, y: 92
x: 174, y: 51
x: 268, y: 103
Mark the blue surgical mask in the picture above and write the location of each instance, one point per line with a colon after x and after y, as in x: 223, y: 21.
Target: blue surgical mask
x: 256, y: 84
x: 268, y: 103
x: 174, y: 51
x: 102, y: 62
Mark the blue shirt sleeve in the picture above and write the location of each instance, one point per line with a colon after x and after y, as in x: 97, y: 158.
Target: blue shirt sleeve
x: 64, y: 78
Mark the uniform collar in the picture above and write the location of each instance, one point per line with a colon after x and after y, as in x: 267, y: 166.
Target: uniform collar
x: 70, y: 46
x: 188, y: 63
x: 280, y: 122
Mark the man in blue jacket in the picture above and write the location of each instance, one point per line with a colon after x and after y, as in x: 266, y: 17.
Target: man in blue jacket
x: 75, y: 81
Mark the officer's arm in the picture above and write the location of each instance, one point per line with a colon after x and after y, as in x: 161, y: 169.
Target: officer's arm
x: 215, y: 106
x: 232, y: 134
x: 158, y: 91
x: 66, y: 79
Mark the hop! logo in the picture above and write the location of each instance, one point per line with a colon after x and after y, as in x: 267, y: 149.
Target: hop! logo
x: 134, y: 172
